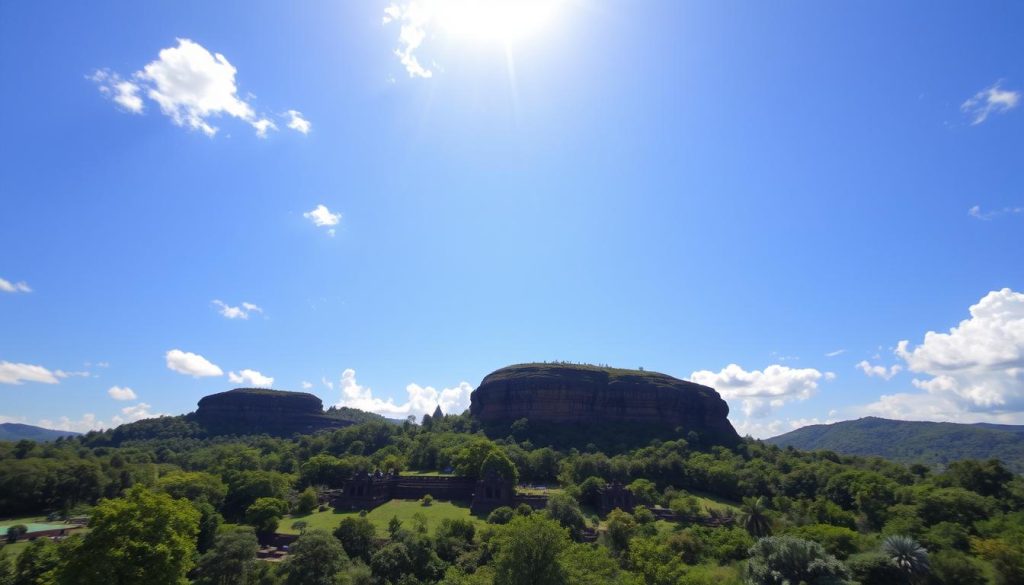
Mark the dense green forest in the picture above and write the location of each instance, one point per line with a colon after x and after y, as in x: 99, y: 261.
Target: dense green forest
x: 169, y: 505
x: 931, y: 443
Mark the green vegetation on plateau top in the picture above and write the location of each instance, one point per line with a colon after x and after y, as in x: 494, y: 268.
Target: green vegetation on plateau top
x: 929, y: 443
x: 590, y: 367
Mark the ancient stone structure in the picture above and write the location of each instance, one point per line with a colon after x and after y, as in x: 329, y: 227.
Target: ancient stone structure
x: 591, y: 395
x: 259, y: 410
x: 615, y: 495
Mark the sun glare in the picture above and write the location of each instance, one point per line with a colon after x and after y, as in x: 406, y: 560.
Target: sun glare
x: 501, y: 20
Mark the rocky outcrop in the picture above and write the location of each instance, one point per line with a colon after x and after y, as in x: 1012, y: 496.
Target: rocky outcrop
x: 245, y: 411
x: 596, y: 396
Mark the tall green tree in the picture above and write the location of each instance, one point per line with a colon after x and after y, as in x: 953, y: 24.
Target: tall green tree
x: 356, y: 535
x: 316, y: 558
x: 231, y: 560
x: 145, y: 537
x: 265, y: 514
x: 528, y: 550
x: 38, y: 563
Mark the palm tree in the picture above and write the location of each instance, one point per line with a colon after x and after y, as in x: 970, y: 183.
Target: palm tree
x: 754, y: 517
x: 909, y: 556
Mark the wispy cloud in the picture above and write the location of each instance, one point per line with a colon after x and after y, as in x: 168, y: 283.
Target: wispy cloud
x: 413, y: 18
x: 991, y: 100
x: 873, y: 371
x: 14, y: 287
x: 977, y: 213
x: 835, y: 353
x: 241, y: 312
x: 297, y: 122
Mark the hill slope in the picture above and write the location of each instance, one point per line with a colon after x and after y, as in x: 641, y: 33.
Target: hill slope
x: 930, y: 443
x: 17, y: 432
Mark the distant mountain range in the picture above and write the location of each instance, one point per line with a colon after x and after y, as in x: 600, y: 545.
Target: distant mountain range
x: 930, y: 443
x: 17, y: 432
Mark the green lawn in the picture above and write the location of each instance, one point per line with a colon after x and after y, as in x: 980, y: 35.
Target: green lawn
x: 13, y: 550
x: 425, y: 474
x: 714, y: 502
x: 381, y: 515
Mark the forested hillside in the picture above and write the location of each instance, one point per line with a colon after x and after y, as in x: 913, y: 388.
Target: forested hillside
x: 928, y: 443
x: 17, y: 431
x: 169, y: 505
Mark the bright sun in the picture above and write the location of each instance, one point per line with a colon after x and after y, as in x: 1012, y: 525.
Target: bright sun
x: 503, y: 20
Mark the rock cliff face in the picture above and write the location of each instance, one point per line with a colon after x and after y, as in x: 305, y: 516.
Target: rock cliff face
x: 595, y: 396
x: 258, y: 410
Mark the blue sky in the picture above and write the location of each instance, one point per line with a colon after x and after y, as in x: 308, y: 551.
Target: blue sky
x: 766, y: 198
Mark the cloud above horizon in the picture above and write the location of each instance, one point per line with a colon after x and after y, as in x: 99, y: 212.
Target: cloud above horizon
x: 241, y: 312
x: 991, y: 100
x: 191, y: 364
x: 14, y: 287
x: 252, y: 378
x: 191, y: 86
x: 18, y: 373
x: 979, y: 363
x: 321, y: 216
x: 121, y: 393
x: 761, y: 391
x: 873, y: 371
x: 420, y: 400
x: 977, y: 213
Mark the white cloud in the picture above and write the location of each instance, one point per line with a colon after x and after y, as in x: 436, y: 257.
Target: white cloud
x: 241, y: 312
x: 191, y: 85
x: 90, y: 422
x: 326, y: 382
x: 991, y: 100
x: 932, y: 407
x: 835, y: 353
x: 14, y: 287
x: 121, y: 393
x: 414, y: 18
x: 872, y: 371
x: 87, y: 423
x: 979, y: 364
x: 307, y: 385
x: 297, y: 122
x: 138, y: 412
x: 977, y: 213
x: 323, y: 217
x: 252, y: 378
x: 16, y: 373
x: 760, y: 391
x: 421, y: 400
x: 124, y: 93
x: 191, y: 364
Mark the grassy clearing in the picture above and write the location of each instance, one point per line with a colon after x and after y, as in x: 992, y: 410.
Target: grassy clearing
x: 425, y: 474
x: 381, y: 515
x: 715, y: 503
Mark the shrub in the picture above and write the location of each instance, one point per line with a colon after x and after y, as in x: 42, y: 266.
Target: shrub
x: 15, y: 532
x: 501, y: 515
x: 427, y: 500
